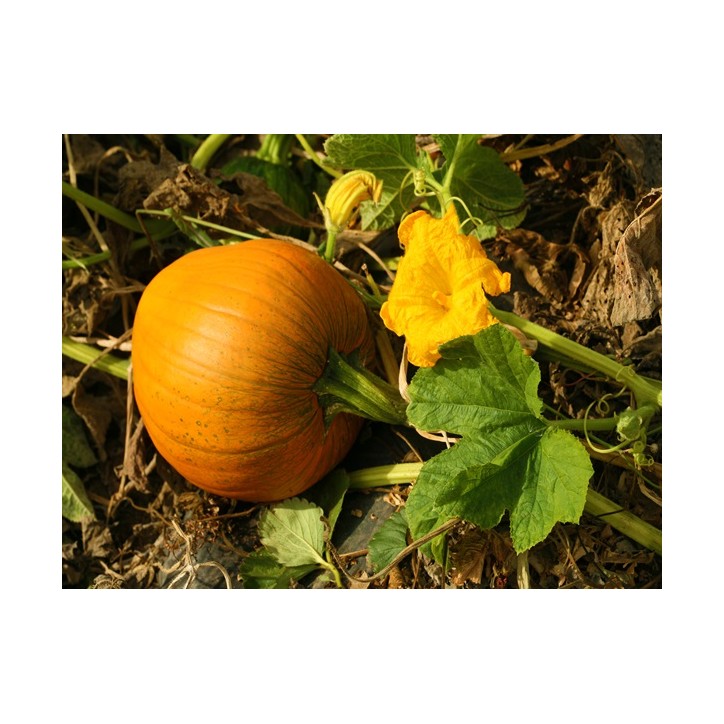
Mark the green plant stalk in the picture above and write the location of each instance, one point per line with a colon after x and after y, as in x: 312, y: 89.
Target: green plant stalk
x: 275, y: 148
x: 169, y: 213
x: 111, y: 212
x: 314, y: 157
x: 600, y: 424
x: 205, y: 152
x: 101, y: 256
x: 330, y: 245
x: 103, y: 361
x: 596, y: 504
x: 104, y: 209
x: 645, y: 392
x: 623, y: 521
x: 344, y: 387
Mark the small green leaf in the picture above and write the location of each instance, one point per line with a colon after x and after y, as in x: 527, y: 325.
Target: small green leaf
x: 75, y: 448
x: 389, y: 541
x: 491, y: 190
x: 485, y: 389
x: 329, y: 494
x: 76, y: 505
x: 293, y: 533
x: 261, y: 570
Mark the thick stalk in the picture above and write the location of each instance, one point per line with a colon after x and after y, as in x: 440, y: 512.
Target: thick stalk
x: 345, y: 387
x: 645, y: 391
x: 275, y: 148
x: 596, y: 504
x: 103, y: 361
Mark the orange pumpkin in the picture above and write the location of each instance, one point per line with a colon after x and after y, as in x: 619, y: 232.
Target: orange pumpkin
x: 228, y: 343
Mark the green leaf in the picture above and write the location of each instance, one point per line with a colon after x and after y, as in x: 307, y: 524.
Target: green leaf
x: 488, y: 187
x: 485, y: 388
x: 261, y: 570
x: 293, y: 533
x: 75, y: 448
x: 76, y: 505
x: 329, y: 494
x: 389, y: 541
x: 391, y: 158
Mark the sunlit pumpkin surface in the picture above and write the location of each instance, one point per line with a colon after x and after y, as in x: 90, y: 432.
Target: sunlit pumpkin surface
x: 228, y: 343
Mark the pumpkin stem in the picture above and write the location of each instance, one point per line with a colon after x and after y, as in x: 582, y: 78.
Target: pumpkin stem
x: 346, y: 386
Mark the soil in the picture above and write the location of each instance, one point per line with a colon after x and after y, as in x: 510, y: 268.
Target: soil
x: 586, y: 262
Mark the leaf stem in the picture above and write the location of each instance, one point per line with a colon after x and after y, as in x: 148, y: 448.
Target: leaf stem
x: 313, y: 156
x: 598, y: 424
x: 104, y: 209
x: 596, y: 504
x: 103, y: 361
x: 205, y: 152
x: 645, y: 392
x: 624, y: 521
x: 330, y: 245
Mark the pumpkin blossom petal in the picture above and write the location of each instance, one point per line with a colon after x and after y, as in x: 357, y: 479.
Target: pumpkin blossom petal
x: 441, y: 284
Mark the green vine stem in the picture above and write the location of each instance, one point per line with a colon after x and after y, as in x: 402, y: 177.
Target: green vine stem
x: 645, y: 391
x: 112, y: 213
x: 314, y: 157
x: 101, y: 360
x: 275, y: 148
x: 597, y: 505
x: 205, y: 152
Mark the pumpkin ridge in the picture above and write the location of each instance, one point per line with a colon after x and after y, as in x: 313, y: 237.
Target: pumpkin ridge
x: 310, y: 332
x: 284, y: 383
x: 313, y: 302
x: 180, y: 442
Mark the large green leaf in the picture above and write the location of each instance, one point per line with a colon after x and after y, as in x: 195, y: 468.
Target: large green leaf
x: 491, y: 190
x: 389, y: 540
x: 485, y: 388
x: 391, y: 158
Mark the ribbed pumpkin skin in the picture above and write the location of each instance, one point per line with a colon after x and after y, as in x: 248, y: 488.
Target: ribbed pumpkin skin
x: 228, y: 343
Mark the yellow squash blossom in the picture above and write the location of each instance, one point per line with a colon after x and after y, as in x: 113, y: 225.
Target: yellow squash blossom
x: 440, y: 286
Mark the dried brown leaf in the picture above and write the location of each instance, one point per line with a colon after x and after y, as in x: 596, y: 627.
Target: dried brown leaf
x: 554, y: 270
x: 637, y: 268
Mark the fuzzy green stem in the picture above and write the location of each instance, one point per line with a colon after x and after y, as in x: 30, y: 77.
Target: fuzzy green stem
x: 623, y: 521
x: 595, y: 424
x: 345, y: 387
x: 101, y: 256
x: 330, y: 245
x: 112, y: 213
x: 596, y: 504
x: 102, y: 361
x: 645, y: 391
x: 94, y: 204
x: 275, y: 148
x: 205, y: 152
x: 315, y: 158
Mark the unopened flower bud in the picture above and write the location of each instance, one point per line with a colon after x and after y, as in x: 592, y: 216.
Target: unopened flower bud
x: 341, y: 206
